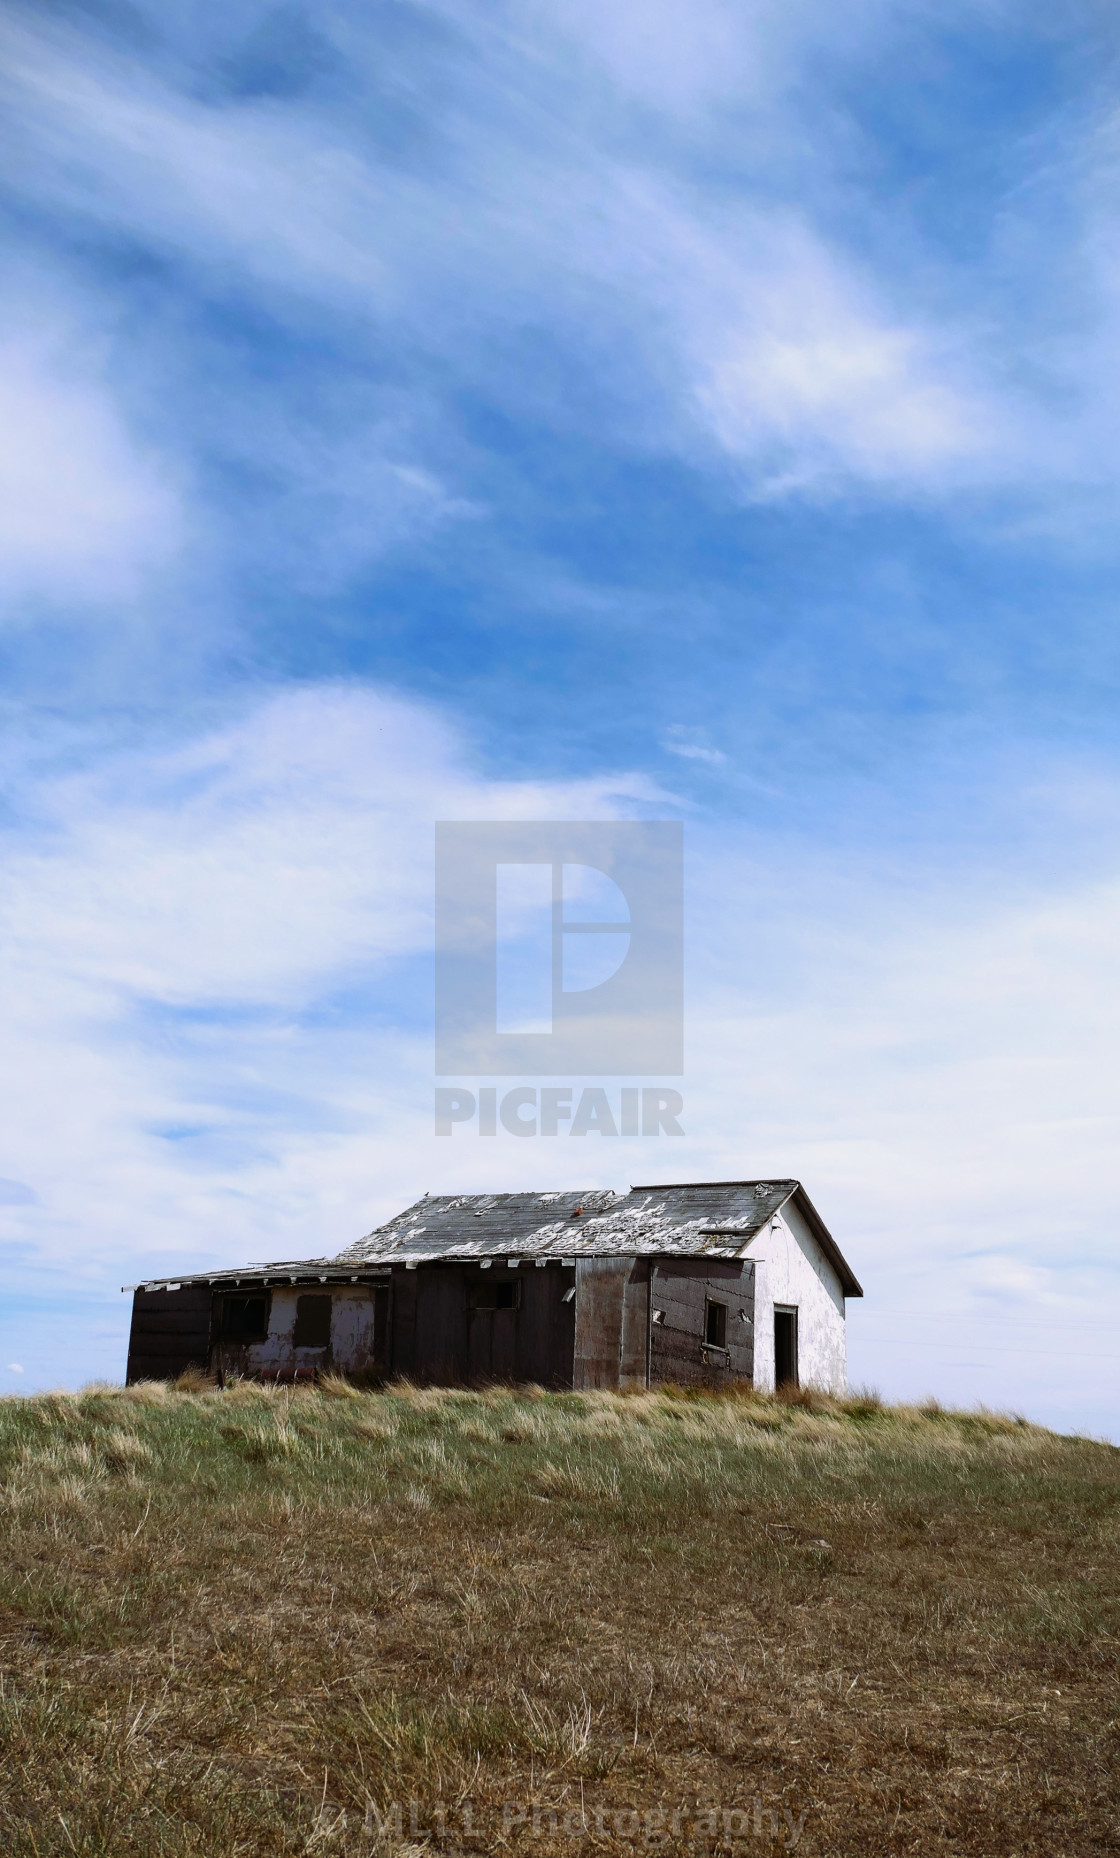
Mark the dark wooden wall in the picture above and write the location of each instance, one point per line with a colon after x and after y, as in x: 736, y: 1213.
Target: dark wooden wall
x: 170, y: 1332
x: 680, y: 1288
x: 604, y: 1337
x: 438, y: 1337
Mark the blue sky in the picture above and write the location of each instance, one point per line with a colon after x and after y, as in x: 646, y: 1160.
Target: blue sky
x: 562, y: 411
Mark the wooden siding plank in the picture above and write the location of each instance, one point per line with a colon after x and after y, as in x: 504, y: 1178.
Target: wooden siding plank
x: 403, y: 1323
x: 171, y: 1322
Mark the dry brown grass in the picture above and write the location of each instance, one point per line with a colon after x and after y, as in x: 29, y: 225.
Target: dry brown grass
x: 251, y: 1621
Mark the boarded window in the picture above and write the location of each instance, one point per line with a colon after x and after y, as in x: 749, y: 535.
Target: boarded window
x: 245, y: 1318
x: 785, y: 1348
x: 313, y: 1322
x: 715, y: 1324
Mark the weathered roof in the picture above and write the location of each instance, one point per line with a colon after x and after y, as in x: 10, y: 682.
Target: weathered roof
x: 306, y: 1272
x: 488, y: 1225
x: 691, y: 1219
x: 714, y: 1219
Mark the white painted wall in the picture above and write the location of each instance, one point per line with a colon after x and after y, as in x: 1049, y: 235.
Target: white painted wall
x: 351, y: 1349
x: 791, y: 1269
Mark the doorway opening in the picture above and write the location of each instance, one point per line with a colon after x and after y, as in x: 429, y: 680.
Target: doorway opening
x: 785, y: 1348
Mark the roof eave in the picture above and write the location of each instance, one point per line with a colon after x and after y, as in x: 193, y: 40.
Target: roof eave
x: 246, y: 1276
x: 849, y: 1282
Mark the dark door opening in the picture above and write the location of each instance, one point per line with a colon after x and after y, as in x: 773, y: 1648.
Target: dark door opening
x: 785, y: 1348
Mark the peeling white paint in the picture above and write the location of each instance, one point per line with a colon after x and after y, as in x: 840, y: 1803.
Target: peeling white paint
x: 792, y: 1271
x: 351, y: 1349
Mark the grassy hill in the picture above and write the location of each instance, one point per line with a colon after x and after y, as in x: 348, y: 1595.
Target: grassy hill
x: 267, y: 1622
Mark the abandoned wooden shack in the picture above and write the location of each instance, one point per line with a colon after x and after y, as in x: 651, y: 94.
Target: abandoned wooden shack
x: 705, y: 1283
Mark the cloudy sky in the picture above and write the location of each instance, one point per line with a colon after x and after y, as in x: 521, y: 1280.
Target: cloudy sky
x: 565, y: 411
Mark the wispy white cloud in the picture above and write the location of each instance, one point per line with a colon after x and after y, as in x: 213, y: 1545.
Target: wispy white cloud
x: 270, y: 191
x: 88, y: 509
x: 685, y: 742
x: 696, y: 68
x: 735, y: 331
x: 260, y: 862
x: 808, y: 383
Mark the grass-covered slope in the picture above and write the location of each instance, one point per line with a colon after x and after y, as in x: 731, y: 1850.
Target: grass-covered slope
x: 255, y: 1622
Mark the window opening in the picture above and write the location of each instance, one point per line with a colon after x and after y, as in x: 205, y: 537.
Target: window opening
x: 496, y: 1294
x: 715, y: 1325
x: 244, y: 1318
